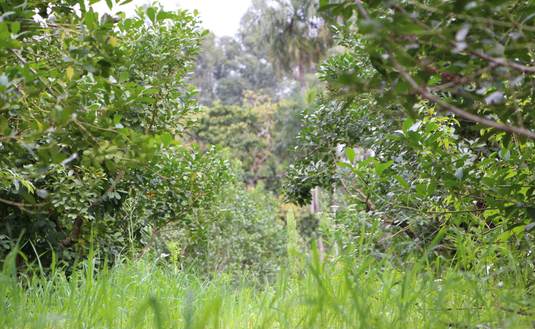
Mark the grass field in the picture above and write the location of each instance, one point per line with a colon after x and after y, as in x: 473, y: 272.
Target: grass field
x: 358, y: 291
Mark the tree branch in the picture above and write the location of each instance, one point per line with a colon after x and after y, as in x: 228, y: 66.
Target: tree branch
x: 463, y: 80
x: 54, y: 219
x: 497, y: 61
x: 472, y: 117
x: 369, y: 203
x: 501, y: 61
x: 153, y: 116
x: 67, y: 242
x: 182, y: 212
x: 112, y: 187
x: 25, y: 206
x: 460, y: 211
x: 159, y: 228
x: 34, y: 72
x: 362, y: 10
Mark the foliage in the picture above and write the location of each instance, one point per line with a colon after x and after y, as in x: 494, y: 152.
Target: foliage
x: 292, y: 246
x: 226, y: 70
x: 292, y: 33
x: 240, y: 233
x: 474, y: 67
x: 92, y: 111
x: 463, y: 158
x: 344, y: 292
x: 259, y: 134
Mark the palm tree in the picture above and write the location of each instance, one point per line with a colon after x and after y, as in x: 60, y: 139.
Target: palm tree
x: 294, y: 36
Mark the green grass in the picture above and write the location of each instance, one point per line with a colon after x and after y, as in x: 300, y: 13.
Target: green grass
x: 346, y: 292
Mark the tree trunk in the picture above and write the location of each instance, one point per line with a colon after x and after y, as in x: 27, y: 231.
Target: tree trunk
x: 302, y: 79
x: 77, y: 227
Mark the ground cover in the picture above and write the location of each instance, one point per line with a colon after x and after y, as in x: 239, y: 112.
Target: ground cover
x: 350, y: 291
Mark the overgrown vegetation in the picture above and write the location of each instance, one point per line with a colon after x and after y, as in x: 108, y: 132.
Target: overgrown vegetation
x: 124, y: 203
x: 358, y: 288
x: 428, y: 121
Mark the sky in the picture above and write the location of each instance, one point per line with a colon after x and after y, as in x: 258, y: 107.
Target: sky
x: 222, y: 17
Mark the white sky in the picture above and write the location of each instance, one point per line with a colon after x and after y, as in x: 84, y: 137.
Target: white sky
x: 222, y: 17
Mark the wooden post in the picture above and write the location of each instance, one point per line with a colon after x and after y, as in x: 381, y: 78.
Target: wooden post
x: 314, y: 207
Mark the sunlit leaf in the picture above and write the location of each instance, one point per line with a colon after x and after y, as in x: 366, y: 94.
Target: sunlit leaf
x: 70, y: 72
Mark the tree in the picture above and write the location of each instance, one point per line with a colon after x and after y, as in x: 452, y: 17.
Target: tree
x: 463, y: 157
x: 242, y: 231
x: 254, y: 133
x: 92, y: 112
x: 207, y: 70
x: 292, y: 33
x: 226, y: 69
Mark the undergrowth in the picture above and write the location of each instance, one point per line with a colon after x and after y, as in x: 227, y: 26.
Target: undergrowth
x: 347, y: 291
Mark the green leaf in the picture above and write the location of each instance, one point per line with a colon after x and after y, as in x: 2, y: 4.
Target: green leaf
x: 28, y: 197
x: 430, y: 141
x: 344, y: 164
x: 89, y: 68
x: 146, y: 100
x: 531, y: 212
x: 380, y: 167
x: 137, y: 24
x: 325, y: 7
x: 109, y: 3
x: 407, y: 124
x: 151, y: 14
x: 15, y: 27
x: 89, y: 18
x: 505, y: 156
x: 9, y: 43
x: 416, y: 137
x: 338, y: 10
x: 163, y: 15
x: 166, y: 139
x: 4, y: 125
x: 365, y: 162
x: 430, y: 127
x: 421, y: 189
x: 347, y: 12
x: 432, y: 187
x: 402, y: 182
x: 490, y: 182
x: 350, y: 153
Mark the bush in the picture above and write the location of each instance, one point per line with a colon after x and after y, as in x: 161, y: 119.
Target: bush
x: 241, y: 232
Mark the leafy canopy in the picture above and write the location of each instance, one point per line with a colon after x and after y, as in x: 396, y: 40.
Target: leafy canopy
x: 92, y: 110
x: 461, y: 71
